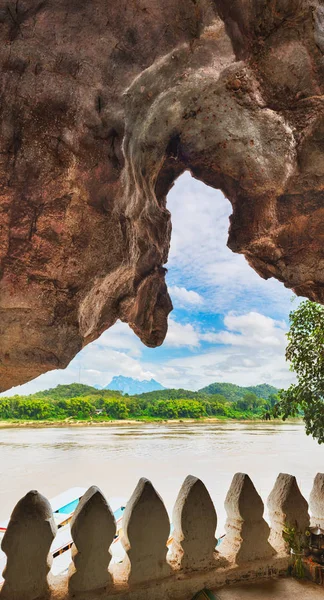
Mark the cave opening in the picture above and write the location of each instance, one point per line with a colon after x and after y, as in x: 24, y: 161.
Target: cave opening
x: 219, y: 303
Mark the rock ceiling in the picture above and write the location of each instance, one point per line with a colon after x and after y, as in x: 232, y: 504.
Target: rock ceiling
x: 103, y: 105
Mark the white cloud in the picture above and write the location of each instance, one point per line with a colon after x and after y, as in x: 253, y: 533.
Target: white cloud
x: 108, y: 363
x: 226, y: 365
x: 120, y: 337
x: 252, y: 329
x: 249, y: 351
x: 116, y: 352
x: 200, y: 259
x: 182, y: 297
x: 253, y: 323
x: 181, y: 335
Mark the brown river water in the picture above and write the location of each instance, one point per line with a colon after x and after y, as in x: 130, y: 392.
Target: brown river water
x: 115, y: 457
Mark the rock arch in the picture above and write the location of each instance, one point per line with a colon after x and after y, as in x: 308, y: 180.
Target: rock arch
x: 103, y: 106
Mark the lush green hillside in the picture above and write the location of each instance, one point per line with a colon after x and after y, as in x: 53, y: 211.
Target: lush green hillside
x: 263, y: 390
x: 72, y: 390
x: 233, y: 392
x: 172, y: 394
x: 83, y: 402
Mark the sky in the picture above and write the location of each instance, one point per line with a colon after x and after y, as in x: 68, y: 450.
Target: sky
x: 227, y: 325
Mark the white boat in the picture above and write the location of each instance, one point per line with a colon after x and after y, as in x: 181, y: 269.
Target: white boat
x: 63, y: 507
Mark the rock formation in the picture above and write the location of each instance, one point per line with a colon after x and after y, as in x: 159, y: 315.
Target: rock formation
x: 103, y: 105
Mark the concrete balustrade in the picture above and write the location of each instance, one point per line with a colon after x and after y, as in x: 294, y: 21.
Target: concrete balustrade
x: 247, y: 532
x: 146, y: 529
x: 27, y: 541
x: 194, y: 521
x: 316, y: 501
x: 286, y: 506
x: 250, y: 550
x: 93, y: 529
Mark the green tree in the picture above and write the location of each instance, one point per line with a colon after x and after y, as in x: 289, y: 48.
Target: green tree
x: 60, y: 403
x: 190, y: 409
x: 248, y: 402
x: 272, y: 400
x: 305, y: 351
x: 80, y: 408
x: 5, y: 409
x: 116, y: 409
x: 164, y: 410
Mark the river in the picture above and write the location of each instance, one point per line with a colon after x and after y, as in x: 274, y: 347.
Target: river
x: 116, y: 456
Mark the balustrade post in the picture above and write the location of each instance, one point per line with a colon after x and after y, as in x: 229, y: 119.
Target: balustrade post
x: 93, y: 528
x: 247, y: 532
x: 316, y: 501
x: 287, y: 506
x: 194, y: 520
x: 26, y: 542
x: 146, y: 529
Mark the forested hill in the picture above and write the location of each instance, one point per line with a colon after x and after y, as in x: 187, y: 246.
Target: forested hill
x: 172, y: 394
x: 223, y: 391
x: 233, y: 392
x: 83, y: 402
x: 72, y: 390
x: 228, y: 391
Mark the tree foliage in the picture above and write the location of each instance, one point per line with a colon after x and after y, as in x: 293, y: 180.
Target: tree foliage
x: 81, y: 402
x: 233, y: 392
x: 305, y: 351
x: 73, y: 390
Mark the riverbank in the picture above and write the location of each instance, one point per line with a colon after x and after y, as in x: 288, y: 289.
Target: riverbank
x: 78, y: 402
x: 15, y: 424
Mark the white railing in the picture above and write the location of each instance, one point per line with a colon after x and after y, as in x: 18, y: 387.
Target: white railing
x: 251, y: 548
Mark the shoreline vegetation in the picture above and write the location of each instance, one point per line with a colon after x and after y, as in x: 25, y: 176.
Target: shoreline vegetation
x: 77, y: 404
x: 24, y: 424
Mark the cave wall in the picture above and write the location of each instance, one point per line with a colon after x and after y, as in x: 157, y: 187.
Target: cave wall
x: 103, y: 105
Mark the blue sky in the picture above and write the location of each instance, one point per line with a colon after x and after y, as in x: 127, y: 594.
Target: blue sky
x: 228, y: 324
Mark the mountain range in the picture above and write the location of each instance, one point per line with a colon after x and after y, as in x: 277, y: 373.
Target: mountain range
x: 130, y: 386
x: 232, y: 392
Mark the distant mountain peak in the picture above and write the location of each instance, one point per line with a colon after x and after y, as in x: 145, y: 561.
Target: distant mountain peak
x: 128, y: 385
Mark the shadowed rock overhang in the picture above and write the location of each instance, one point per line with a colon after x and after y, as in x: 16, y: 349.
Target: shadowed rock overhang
x: 103, y: 105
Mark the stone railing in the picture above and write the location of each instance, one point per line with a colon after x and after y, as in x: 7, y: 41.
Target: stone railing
x: 250, y: 550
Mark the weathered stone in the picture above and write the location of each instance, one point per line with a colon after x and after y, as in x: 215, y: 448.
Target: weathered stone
x: 316, y: 501
x: 146, y: 529
x: 27, y: 543
x: 93, y: 528
x: 286, y: 506
x: 247, y: 532
x: 194, y: 521
x: 103, y: 105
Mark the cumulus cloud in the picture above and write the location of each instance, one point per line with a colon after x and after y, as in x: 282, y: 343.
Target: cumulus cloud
x: 224, y: 365
x: 248, y: 351
x: 252, y: 329
x: 200, y: 259
x: 120, y: 337
x: 183, y: 298
x: 181, y: 335
x: 116, y: 352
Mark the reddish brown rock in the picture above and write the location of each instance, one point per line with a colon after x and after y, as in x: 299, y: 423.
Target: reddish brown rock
x: 102, y: 106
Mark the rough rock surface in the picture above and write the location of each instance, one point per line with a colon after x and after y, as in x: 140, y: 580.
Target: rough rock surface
x: 103, y: 104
